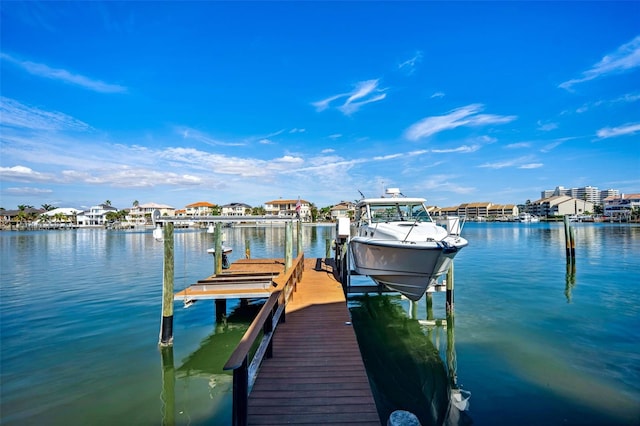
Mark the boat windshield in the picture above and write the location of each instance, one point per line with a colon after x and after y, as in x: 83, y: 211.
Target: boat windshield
x: 398, y: 211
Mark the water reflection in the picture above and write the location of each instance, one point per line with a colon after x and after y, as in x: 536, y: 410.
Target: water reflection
x: 207, y: 361
x: 404, y: 364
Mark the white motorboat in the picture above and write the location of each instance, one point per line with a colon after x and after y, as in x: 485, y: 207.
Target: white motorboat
x: 397, y: 243
x: 528, y: 218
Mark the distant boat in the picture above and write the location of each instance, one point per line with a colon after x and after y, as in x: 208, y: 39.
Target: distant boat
x: 398, y: 245
x: 527, y: 218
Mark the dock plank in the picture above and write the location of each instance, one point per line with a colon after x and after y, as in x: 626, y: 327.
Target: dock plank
x: 316, y: 375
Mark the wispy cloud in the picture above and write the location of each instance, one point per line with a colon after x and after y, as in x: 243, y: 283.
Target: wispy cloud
x: 409, y: 66
x: 626, y: 98
x: 364, y: 92
x: 443, y: 183
x: 625, y: 58
x: 465, y: 149
x: 465, y: 116
x: 26, y: 191
x: 437, y: 95
x: 17, y: 115
x: 546, y: 127
x: 610, y: 132
x: 189, y: 133
x: 518, y: 145
x: 516, y: 162
x: 44, y: 71
x: 531, y: 166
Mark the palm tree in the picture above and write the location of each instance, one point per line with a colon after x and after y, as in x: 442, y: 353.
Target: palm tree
x: 48, y: 207
x: 108, y: 202
x: 136, y: 203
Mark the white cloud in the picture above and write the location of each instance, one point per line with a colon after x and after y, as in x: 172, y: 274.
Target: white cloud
x: 625, y: 58
x: 365, y: 92
x: 546, y: 127
x: 610, y: 132
x: 23, y: 174
x: 437, y: 95
x: 464, y: 116
x: 42, y: 70
x: 188, y: 133
x: 443, y: 183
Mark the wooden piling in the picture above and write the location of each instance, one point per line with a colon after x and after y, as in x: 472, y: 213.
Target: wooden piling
x: 218, y: 254
x: 449, y: 303
x: 247, y: 249
x: 288, y: 245
x: 567, y: 238
x: 299, y: 237
x: 327, y: 249
x: 166, y: 327
x: 572, y: 235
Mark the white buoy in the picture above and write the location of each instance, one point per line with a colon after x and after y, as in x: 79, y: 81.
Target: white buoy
x: 403, y: 418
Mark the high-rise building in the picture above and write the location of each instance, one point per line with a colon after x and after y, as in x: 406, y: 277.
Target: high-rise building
x: 585, y: 193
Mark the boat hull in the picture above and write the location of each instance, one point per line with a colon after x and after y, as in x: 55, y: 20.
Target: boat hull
x: 406, y: 267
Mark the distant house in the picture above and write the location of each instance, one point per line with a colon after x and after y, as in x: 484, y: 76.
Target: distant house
x: 95, y: 216
x: 141, y: 214
x: 236, y: 209
x: 66, y: 214
x: 201, y: 208
x: 342, y: 209
x: 287, y: 209
x: 17, y: 218
x: 621, y: 206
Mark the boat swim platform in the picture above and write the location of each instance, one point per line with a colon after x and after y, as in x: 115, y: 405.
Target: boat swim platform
x: 316, y: 374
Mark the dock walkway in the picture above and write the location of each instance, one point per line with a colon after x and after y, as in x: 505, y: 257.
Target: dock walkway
x: 316, y: 375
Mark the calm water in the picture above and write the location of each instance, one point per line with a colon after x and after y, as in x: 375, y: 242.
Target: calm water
x: 80, y: 316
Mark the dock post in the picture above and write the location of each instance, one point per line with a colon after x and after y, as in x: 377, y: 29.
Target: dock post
x: 166, y: 328
x: 450, y: 288
x: 572, y: 235
x: 327, y: 249
x: 429, y: 306
x: 247, y: 249
x: 288, y: 246
x: 299, y: 239
x: 218, y: 254
x: 567, y: 238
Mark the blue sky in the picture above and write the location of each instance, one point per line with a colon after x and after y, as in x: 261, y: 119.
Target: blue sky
x: 178, y: 102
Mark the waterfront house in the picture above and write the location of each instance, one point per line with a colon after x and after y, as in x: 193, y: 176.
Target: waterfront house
x: 286, y: 209
x: 95, y: 216
x: 342, y: 209
x: 141, y: 214
x: 621, y: 206
x: 201, y: 208
x: 236, y: 209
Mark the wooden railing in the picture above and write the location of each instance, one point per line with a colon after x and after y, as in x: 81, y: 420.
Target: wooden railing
x: 245, y: 367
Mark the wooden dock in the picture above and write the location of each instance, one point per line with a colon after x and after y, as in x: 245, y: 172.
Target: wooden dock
x: 316, y: 374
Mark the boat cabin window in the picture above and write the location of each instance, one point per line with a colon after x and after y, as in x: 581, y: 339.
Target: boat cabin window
x: 399, y: 212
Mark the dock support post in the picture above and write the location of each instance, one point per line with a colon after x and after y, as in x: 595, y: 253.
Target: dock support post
x: 221, y: 309
x: 247, y: 249
x: 166, y: 328
x: 429, y: 306
x: 240, y: 395
x: 327, y: 249
x: 218, y: 254
x: 288, y: 246
x: 450, y: 305
x: 567, y: 238
x: 299, y: 239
